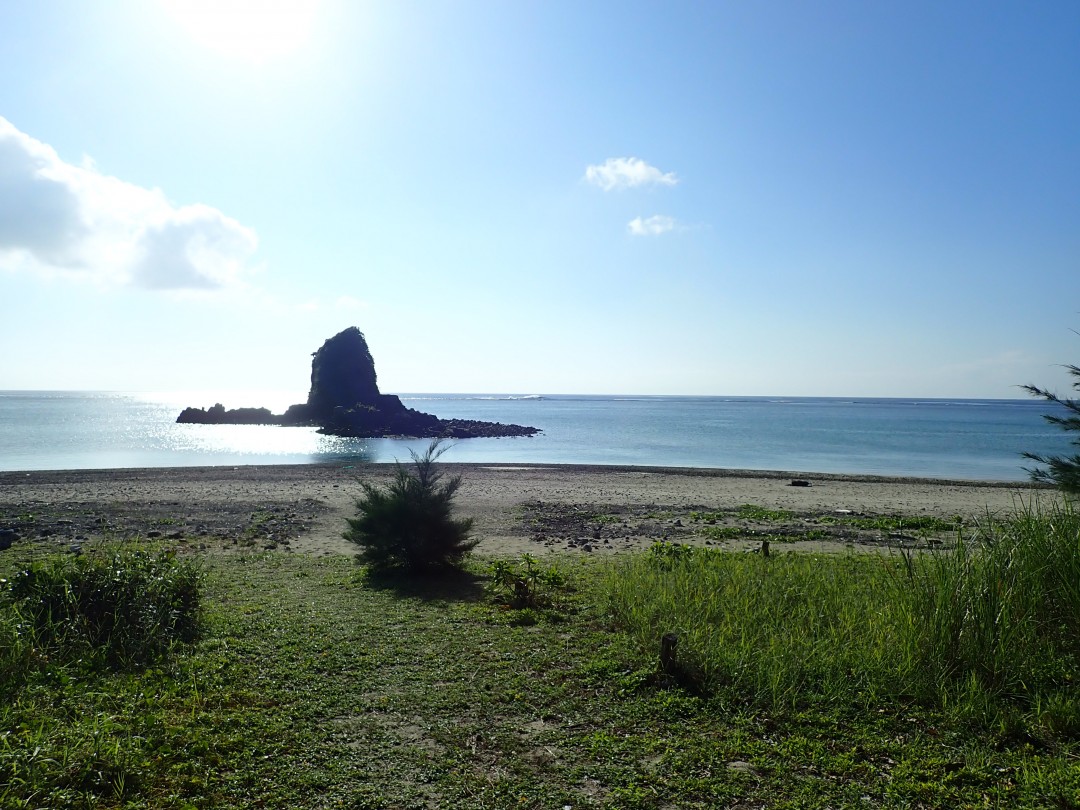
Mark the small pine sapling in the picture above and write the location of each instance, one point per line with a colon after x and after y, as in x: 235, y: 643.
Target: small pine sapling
x: 409, y: 523
x: 1061, y: 471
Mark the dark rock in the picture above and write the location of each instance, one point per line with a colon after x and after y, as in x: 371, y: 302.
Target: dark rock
x: 343, y: 375
x: 217, y: 415
x: 299, y: 414
x: 7, y: 537
x: 799, y: 482
x: 344, y: 400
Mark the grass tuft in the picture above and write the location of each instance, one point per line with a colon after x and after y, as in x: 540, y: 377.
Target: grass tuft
x: 117, y: 609
x: 990, y: 627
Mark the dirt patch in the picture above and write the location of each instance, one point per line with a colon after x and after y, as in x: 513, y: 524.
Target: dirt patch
x: 201, y: 525
x: 598, y: 528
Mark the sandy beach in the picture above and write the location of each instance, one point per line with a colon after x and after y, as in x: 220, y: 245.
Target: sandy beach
x: 516, y: 509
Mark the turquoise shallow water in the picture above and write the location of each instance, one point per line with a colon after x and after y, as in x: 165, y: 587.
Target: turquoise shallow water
x: 972, y: 439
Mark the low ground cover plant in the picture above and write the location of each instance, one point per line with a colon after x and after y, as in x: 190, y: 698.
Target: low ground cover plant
x: 409, y: 523
x: 716, y: 525
x: 892, y: 523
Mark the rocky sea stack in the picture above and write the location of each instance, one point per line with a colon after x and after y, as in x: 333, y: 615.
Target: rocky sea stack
x: 344, y: 400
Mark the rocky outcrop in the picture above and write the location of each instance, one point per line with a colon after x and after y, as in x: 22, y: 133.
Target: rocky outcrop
x: 217, y: 415
x: 343, y: 375
x: 344, y: 400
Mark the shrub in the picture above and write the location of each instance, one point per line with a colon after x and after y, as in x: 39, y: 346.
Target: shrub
x: 121, y: 609
x: 1061, y: 471
x: 525, y: 585
x: 409, y: 523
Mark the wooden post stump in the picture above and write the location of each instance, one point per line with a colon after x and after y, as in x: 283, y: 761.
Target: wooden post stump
x: 668, y: 644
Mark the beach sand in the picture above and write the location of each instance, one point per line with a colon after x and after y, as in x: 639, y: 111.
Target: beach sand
x: 522, y: 508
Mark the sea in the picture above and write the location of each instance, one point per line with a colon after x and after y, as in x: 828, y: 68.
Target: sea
x: 968, y: 439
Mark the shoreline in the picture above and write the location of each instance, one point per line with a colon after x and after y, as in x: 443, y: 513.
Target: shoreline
x: 320, y: 467
x: 516, y: 508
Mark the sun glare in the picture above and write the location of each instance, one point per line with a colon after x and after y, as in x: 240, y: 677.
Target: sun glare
x: 250, y: 30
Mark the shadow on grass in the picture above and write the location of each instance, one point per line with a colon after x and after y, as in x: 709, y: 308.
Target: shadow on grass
x: 432, y: 585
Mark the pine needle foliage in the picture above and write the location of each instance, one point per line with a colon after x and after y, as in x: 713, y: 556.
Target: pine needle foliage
x: 409, y: 523
x: 1061, y: 471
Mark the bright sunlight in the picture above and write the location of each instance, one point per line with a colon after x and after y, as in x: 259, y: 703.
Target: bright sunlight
x: 250, y: 30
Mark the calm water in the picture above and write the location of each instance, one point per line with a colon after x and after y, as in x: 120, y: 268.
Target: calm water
x: 974, y: 439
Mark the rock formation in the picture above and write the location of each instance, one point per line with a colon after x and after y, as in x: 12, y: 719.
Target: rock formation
x: 217, y: 415
x: 343, y: 374
x: 344, y: 400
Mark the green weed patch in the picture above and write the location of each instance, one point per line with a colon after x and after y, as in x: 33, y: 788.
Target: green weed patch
x: 890, y: 523
x: 118, y: 609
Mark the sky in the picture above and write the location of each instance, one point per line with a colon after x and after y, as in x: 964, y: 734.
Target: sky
x: 542, y: 196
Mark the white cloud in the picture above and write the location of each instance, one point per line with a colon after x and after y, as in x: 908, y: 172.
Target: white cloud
x: 653, y: 226
x: 620, y: 173
x: 59, y: 219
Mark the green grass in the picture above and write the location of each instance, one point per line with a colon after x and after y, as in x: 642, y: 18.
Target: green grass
x: 741, y: 533
x: 604, y: 518
x: 749, y: 511
x: 117, y: 608
x: 989, y: 628
x: 724, y: 532
x: 316, y: 686
x: 889, y: 523
x: 780, y: 630
x: 746, y: 511
x: 923, y: 524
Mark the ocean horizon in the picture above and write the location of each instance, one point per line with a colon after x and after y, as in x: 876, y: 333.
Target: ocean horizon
x: 966, y: 439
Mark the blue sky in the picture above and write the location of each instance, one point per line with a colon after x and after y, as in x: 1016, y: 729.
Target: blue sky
x: 731, y: 198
